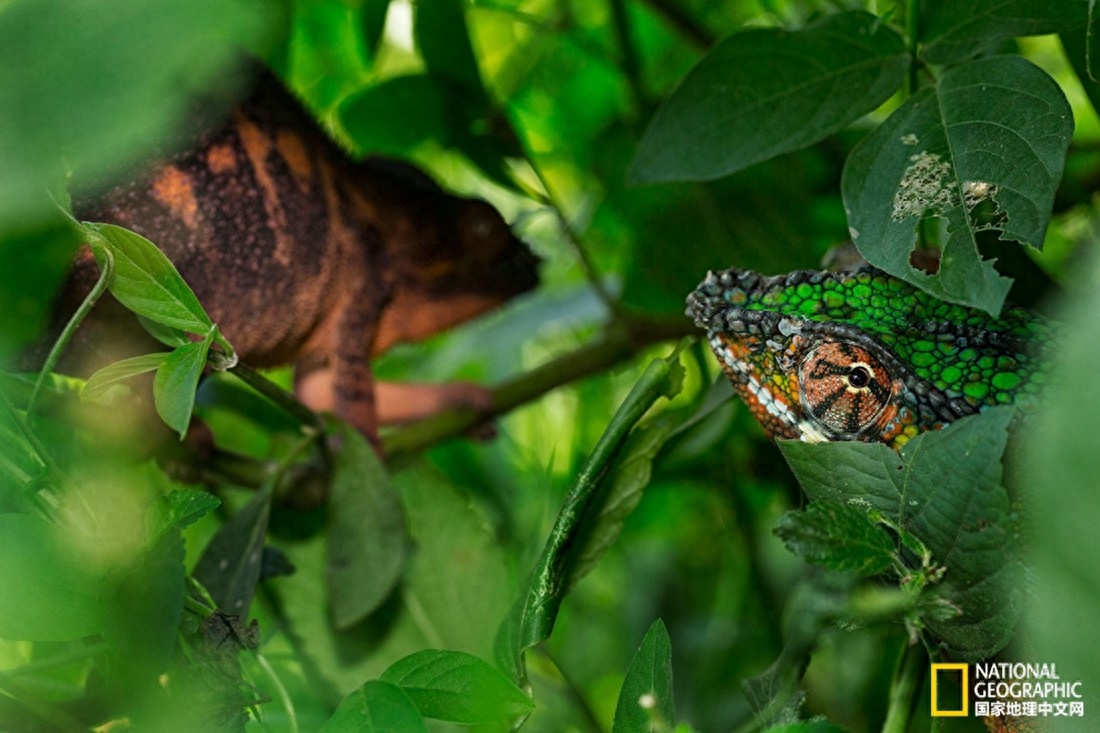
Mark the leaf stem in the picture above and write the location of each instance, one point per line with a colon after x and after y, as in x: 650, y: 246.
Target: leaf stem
x: 912, y: 28
x: 905, y: 688
x: 66, y: 335
x: 278, y: 395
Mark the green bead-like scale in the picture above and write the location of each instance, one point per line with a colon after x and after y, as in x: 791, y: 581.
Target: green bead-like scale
x: 950, y: 359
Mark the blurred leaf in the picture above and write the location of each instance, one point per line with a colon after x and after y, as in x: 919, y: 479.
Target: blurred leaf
x: 373, y: 14
x: 120, y: 371
x: 33, y: 262
x: 458, y: 687
x: 367, y: 543
x: 810, y: 726
x: 646, y: 694
x: 441, y: 36
x: 376, y: 707
x: 397, y: 115
x: 764, y: 92
x: 230, y: 565
x: 999, y: 123
x: 554, y: 572
x: 176, y: 380
x: 952, y: 30
x: 1061, y: 481
x: 1092, y: 51
x: 104, y: 82
x: 837, y: 536
x: 146, y: 282
x: 944, y: 488
x: 456, y: 588
x: 47, y: 596
x: 145, y: 610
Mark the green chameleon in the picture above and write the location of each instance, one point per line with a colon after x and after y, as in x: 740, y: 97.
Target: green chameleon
x: 861, y: 355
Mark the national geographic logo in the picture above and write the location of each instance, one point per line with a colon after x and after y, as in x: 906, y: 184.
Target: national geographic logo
x: 1004, y: 689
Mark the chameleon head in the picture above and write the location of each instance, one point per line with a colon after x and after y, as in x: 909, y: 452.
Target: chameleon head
x: 860, y: 355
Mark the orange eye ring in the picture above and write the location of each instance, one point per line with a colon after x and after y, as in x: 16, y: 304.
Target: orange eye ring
x: 843, y: 388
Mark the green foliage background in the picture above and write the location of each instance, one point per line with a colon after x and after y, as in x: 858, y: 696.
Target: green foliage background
x: 521, y: 579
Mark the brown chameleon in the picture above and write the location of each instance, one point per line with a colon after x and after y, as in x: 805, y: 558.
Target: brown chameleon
x: 303, y: 256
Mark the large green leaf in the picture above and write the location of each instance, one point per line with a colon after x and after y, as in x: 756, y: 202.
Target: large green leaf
x: 944, y: 489
x: 397, y: 115
x: 645, y: 701
x: 1059, y: 462
x: 376, y: 707
x: 443, y: 40
x: 458, y: 687
x: 101, y: 83
x: 953, y: 30
x: 46, y: 595
x: 555, y: 571
x: 993, y: 131
x: 367, y: 542
x: 764, y: 92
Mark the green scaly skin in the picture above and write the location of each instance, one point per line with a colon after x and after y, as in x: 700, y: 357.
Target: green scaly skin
x: 861, y: 355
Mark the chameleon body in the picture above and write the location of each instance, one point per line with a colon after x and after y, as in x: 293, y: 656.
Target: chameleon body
x: 302, y: 255
x: 861, y: 355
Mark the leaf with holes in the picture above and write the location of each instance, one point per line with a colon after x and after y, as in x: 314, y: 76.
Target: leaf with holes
x: 991, y: 135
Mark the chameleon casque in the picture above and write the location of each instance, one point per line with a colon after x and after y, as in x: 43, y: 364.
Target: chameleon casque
x: 303, y: 256
x: 861, y: 355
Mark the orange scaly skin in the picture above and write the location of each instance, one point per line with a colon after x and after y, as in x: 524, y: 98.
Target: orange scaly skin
x: 302, y: 256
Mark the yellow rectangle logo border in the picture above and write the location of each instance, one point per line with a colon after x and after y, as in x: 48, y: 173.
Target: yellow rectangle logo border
x: 951, y: 666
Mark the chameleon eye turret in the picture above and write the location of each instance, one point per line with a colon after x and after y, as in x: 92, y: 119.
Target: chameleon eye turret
x: 863, y: 356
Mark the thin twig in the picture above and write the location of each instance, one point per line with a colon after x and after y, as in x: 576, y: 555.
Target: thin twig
x: 62, y: 341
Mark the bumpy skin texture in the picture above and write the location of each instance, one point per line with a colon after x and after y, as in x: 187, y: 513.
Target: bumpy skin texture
x: 301, y: 255
x: 863, y: 356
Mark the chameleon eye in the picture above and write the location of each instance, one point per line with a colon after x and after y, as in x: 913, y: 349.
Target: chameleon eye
x: 843, y: 387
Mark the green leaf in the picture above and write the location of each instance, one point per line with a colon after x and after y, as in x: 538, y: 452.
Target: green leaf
x: 443, y: 40
x: 809, y: 726
x: 458, y: 687
x: 175, y: 383
x: 837, y: 536
x: 944, y: 488
x: 457, y: 578
x: 646, y: 695
x: 367, y: 542
x: 629, y: 475
x: 184, y: 507
x: 146, y: 282
x: 34, y: 262
x: 993, y: 131
x: 554, y: 571
x: 106, y: 103
x: 954, y: 30
x: 765, y: 92
x: 46, y: 594
x: 230, y: 565
x: 1061, y: 486
x: 397, y: 115
x: 376, y: 707
x: 112, y: 374
x: 373, y: 19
